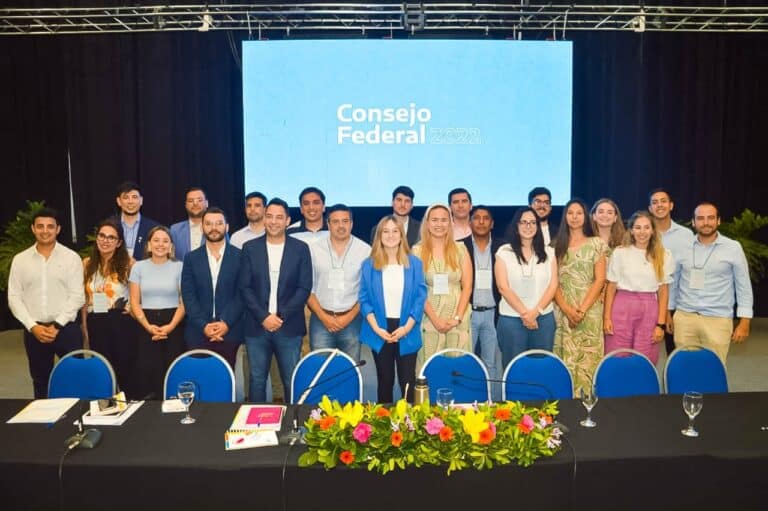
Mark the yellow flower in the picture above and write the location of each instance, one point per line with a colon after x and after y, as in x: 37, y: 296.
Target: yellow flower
x: 474, y: 422
x: 351, y: 414
x: 326, y: 405
x: 401, y: 408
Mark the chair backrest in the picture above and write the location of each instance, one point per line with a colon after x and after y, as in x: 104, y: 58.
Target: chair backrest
x: 209, y: 371
x: 695, y: 368
x: 320, y: 368
x: 626, y: 372
x: 83, y: 374
x: 461, y: 371
x: 536, y: 375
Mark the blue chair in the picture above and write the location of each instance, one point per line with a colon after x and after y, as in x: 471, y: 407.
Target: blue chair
x: 535, y: 375
x: 461, y: 371
x: 209, y: 371
x: 83, y: 374
x: 695, y: 368
x: 626, y: 372
x: 319, y: 368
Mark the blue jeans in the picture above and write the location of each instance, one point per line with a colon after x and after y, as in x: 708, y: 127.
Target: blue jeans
x: 347, y: 340
x: 484, y: 335
x: 287, y: 351
x: 514, y: 338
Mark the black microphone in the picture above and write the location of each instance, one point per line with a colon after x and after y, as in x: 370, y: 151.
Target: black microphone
x: 87, y: 439
x: 550, y: 395
x: 295, y: 434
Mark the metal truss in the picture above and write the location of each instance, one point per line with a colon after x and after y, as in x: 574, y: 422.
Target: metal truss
x: 386, y: 19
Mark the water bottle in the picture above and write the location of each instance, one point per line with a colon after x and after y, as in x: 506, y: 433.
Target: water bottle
x: 421, y: 391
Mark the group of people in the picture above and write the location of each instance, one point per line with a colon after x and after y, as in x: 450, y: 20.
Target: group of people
x: 146, y: 293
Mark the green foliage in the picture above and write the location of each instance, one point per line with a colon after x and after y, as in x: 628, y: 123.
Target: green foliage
x: 743, y: 228
x: 17, y: 236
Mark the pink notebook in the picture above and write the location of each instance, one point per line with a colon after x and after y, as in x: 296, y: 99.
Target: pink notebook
x: 263, y: 417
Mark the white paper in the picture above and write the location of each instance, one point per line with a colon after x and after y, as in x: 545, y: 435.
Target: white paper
x: 245, y: 439
x: 697, y: 279
x: 46, y: 411
x: 336, y: 279
x: 100, y: 303
x: 112, y: 420
x: 440, y: 284
x: 483, y: 279
x: 173, y: 406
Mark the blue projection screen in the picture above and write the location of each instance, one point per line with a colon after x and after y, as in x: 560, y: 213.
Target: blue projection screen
x: 357, y: 118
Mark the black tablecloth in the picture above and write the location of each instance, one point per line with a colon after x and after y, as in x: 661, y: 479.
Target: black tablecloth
x: 635, y: 459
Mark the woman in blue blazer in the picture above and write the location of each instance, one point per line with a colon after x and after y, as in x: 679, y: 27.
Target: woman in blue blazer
x: 392, y: 295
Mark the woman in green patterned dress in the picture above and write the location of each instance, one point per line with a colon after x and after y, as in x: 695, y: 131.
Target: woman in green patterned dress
x: 581, y: 273
x: 448, y: 273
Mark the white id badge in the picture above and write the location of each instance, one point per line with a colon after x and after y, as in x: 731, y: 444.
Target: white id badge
x: 336, y: 279
x: 697, y: 279
x: 525, y: 289
x: 100, y: 303
x: 440, y: 284
x: 483, y: 279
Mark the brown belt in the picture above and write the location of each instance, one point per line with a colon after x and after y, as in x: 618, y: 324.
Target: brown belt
x: 333, y: 313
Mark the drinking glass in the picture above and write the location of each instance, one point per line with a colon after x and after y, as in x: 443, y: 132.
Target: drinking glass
x: 692, y: 403
x: 186, y: 393
x: 444, y: 398
x: 589, y: 400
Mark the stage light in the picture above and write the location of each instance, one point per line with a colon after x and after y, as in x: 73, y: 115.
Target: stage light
x: 207, y: 23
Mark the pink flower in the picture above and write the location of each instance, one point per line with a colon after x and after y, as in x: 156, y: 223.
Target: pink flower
x: 362, y: 432
x: 526, y: 425
x: 434, y: 425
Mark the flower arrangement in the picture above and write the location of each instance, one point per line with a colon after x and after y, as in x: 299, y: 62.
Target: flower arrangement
x: 383, y: 439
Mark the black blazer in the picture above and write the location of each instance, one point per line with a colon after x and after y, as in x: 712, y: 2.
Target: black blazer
x: 293, y: 287
x: 495, y: 244
x: 412, y: 235
x: 197, y: 292
x: 145, y: 225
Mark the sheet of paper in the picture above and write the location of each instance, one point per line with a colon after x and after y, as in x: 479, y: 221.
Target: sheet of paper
x: 46, y: 411
x: 112, y: 420
x: 234, y: 439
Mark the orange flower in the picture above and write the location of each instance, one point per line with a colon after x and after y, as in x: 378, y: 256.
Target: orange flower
x: 346, y: 457
x: 327, y: 422
x: 486, y: 436
x: 396, y: 438
x: 446, y: 434
x: 382, y: 412
x: 502, y: 414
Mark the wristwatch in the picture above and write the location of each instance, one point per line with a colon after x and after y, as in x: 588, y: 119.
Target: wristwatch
x: 661, y: 325
x: 457, y: 318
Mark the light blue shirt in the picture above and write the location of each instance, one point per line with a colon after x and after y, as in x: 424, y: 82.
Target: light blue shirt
x: 160, y: 283
x: 726, y: 280
x: 677, y: 239
x: 130, y: 232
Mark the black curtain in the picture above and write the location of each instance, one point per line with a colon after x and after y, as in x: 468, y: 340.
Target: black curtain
x: 688, y: 112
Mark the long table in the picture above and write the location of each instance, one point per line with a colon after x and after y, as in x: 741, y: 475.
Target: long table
x: 635, y: 459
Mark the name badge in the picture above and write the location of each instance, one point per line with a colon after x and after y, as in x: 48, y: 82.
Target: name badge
x: 483, y: 279
x: 100, y: 303
x: 440, y: 284
x: 525, y: 290
x: 336, y: 279
x: 697, y: 279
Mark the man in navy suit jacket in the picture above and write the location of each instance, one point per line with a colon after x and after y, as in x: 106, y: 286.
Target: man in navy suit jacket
x: 135, y: 225
x: 187, y: 235
x: 211, y: 293
x: 275, y: 282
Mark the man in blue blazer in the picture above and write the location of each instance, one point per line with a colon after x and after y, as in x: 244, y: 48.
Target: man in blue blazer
x: 187, y: 235
x: 211, y: 293
x: 135, y: 226
x: 275, y: 282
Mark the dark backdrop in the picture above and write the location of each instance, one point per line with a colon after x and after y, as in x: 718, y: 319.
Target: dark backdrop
x: 685, y: 111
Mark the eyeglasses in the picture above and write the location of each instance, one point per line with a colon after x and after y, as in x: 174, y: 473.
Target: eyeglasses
x: 106, y: 237
x: 539, y: 202
x: 527, y: 223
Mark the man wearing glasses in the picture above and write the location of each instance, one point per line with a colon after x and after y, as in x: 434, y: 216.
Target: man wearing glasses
x: 187, y: 235
x: 211, y: 293
x: 540, y: 200
x: 336, y: 261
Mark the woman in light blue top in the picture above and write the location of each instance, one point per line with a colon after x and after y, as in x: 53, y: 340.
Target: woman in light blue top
x: 155, y: 286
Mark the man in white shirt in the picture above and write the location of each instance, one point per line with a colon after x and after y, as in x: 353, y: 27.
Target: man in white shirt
x: 254, y: 212
x: 312, y: 226
x: 540, y: 200
x: 675, y: 237
x: 187, y: 235
x: 460, y: 202
x: 45, y: 293
x: 336, y: 261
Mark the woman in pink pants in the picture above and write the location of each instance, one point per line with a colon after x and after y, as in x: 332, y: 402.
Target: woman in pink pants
x: 637, y: 292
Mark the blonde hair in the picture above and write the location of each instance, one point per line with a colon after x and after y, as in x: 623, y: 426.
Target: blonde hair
x: 152, y: 231
x: 617, y: 229
x: 654, y: 252
x: 378, y: 254
x: 451, y: 251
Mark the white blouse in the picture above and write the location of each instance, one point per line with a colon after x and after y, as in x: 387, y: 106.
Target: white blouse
x: 632, y: 271
x: 393, y: 282
x: 529, y: 281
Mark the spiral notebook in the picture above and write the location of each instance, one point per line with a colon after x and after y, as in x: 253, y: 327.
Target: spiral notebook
x: 254, y: 426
